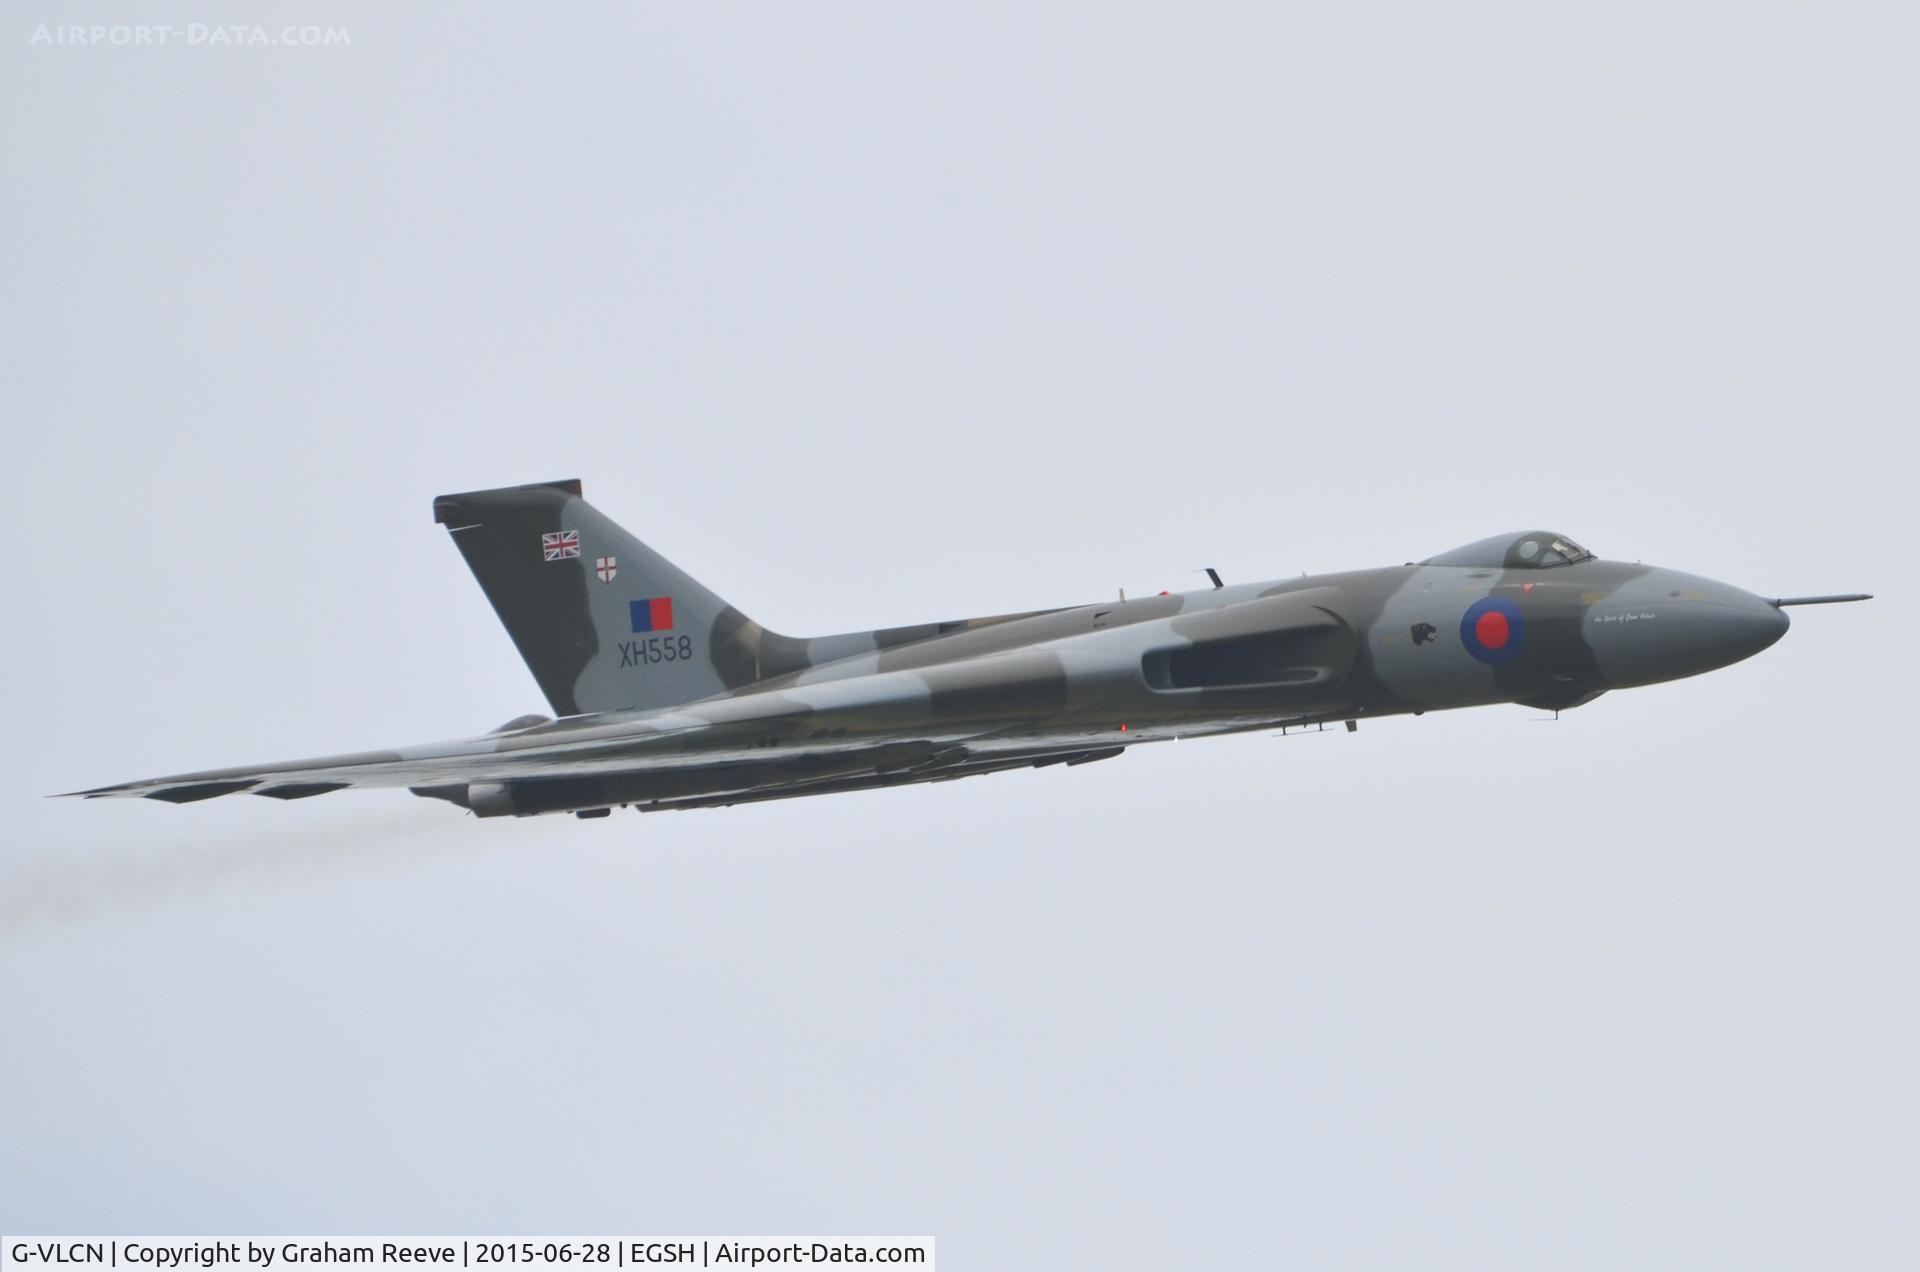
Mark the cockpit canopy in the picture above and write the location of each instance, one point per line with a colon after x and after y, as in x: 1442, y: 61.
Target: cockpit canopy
x: 1533, y: 550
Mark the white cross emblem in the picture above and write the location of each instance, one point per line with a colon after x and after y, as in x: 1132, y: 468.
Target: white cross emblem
x: 606, y: 568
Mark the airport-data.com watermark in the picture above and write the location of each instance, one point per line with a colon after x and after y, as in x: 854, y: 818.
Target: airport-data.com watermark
x: 193, y: 35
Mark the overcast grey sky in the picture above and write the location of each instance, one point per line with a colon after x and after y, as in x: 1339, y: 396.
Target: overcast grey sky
x: 881, y: 314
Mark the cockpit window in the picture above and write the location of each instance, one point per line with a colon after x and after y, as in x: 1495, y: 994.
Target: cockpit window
x: 1534, y: 550
x: 1563, y: 551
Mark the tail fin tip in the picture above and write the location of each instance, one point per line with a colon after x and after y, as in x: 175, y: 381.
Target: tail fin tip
x: 447, y: 508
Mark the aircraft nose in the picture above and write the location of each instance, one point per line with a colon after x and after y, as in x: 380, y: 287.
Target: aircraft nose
x: 1668, y: 625
x: 1748, y: 623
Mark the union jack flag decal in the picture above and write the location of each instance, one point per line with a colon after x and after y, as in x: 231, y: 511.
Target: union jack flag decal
x: 560, y: 545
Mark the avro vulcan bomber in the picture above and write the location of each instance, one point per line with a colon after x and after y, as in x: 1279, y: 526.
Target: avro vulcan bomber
x: 667, y: 697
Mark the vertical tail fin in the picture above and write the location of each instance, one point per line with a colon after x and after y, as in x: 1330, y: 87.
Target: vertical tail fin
x: 603, y: 621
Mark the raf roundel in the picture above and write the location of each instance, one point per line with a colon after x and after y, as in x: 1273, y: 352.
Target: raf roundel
x: 1493, y: 630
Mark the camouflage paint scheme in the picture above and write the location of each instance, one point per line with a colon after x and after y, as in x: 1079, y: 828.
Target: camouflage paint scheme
x: 713, y: 709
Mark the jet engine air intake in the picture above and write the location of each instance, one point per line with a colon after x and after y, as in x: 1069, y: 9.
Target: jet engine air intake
x: 1291, y: 641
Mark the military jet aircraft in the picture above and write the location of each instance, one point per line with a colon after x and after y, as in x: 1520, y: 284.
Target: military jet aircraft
x: 669, y: 698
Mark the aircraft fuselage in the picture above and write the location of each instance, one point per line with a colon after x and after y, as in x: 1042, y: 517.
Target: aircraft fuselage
x: 668, y: 697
